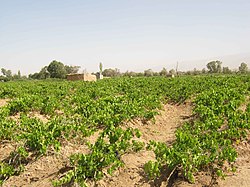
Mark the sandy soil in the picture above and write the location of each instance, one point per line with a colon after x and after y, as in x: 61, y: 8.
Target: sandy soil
x: 242, y: 176
x: 6, y: 148
x: 169, y: 119
x: 43, y: 170
x: 3, y: 102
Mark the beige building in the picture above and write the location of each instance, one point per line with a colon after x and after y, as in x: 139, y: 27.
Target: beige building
x: 84, y: 77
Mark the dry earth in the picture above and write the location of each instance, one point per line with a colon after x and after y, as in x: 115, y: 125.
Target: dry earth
x: 42, y: 171
x: 3, y: 102
x: 162, y: 130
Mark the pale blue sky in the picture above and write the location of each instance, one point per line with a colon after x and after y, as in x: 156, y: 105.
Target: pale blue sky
x: 125, y: 34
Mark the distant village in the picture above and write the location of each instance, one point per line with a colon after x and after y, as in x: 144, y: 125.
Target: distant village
x: 57, y: 70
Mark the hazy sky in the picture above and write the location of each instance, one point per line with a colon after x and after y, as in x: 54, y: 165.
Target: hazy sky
x: 125, y: 34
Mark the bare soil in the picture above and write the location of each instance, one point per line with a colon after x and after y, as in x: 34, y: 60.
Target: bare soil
x: 3, y: 102
x: 47, y: 168
x: 43, y: 170
x: 169, y: 119
x: 242, y: 176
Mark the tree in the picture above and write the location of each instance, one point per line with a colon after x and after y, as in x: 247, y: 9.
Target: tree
x: 243, y: 68
x: 44, y: 73
x: 57, y: 69
x: 19, y: 74
x: 130, y: 74
x: 226, y: 70
x: 148, y: 73
x: 34, y: 76
x: 172, y: 71
x: 196, y: 71
x: 203, y: 71
x: 6, y: 73
x: 163, y: 72
x: 16, y: 77
x: 214, y: 66
x: 219, y: 69
x: 111, y: 72
x: 100, y: 66
x: 156, y: 74
x: 72, y: 69
x: 3, y: 78
x: 3, y: 71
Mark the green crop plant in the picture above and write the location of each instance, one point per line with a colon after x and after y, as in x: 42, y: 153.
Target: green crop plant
x: 105, y: 156
x: 77, y: 109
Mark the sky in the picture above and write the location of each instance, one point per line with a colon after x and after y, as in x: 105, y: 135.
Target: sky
x: 129, y: 35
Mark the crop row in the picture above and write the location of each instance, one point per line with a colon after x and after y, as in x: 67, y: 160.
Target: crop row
x: 80, y: 108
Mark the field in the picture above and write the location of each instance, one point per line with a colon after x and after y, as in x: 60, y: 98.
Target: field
x: 154, y: 131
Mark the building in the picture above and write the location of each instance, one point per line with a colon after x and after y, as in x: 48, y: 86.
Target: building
x: 83, y: 76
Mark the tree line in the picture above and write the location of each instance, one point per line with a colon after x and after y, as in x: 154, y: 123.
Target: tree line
x: 55, y: 69
x: 58, y: 70
x: 213, y: 67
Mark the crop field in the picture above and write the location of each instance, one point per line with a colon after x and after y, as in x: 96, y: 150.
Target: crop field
x: 145, y: 131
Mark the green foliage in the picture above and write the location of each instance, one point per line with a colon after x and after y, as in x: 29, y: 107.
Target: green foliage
x: 77, y: 109
x: 100, y: 67
x: 148, y: 73
x: 105, y: 156
x: 71, y: 69
x: 13, y: 165
x: 56, y: 69
x: 163, y: 72
x: 206, y: 142
x: 6, y: 73
x: 5, y: 171
x: 153, y: 169
x: 226, y: 70
x: 243, y: 68
x: 111, y: 72
x: 214, y: 66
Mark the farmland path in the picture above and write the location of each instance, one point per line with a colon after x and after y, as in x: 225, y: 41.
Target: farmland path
x: 169, y: 119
